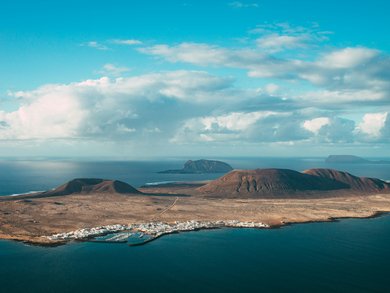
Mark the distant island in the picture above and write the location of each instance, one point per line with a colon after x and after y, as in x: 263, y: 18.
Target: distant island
x: 350, y: 159
x: 201, y: 167
x: 84, y: 208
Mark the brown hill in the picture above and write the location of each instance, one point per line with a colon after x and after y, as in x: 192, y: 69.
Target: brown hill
x: 363, y: 184
x: 268, y: 182
x: 91, y: 186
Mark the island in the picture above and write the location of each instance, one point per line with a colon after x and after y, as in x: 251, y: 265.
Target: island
x: 350, y: 159
x: 201, y: 167
x: 85, y: 208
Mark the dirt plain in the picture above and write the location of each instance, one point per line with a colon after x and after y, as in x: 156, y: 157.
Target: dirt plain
x: 28, y: 219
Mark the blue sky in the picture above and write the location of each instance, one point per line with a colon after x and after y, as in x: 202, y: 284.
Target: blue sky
x: 164, y: 78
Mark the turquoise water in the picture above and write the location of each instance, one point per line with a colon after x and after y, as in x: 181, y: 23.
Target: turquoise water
x: 348, y: 256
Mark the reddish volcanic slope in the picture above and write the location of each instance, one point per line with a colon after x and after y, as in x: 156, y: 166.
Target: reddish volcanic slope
x: 284, y: 182
x: 268, y: 181
x: 356, y: 183
x: 90, y: 186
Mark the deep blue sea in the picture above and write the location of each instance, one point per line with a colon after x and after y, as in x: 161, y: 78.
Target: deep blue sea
x: 351, y: 255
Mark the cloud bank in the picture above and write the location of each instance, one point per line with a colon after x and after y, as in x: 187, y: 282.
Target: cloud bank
x: 295, y: 91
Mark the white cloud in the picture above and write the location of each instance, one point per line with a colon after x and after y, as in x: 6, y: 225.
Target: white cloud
x: 338, y: 130
x: 347, y: 58
x: 113, y: 70
x: 332, y: 98
x: 128, y: 42
x: 103, y: 47
x: 259, y: 64
x: 180, y: 107
x: 276, y: 42
x: 301, y: 92
x: 342, y: 75
x: 314, y: 125
x: 271, y: 88
x: 372, y: 124
x: 236, y: 121
x: 298, y: 98
x: 282, y: 37
x: 153, y: 130
x: 49, y: 116
x: 285, y: 28
x: 257, y: 126
x: 268, y: 127
x: 123, y: 128
x: 238, y: 4
x: 105, y: 107
x: 95, y: 45
x: 195, y: 53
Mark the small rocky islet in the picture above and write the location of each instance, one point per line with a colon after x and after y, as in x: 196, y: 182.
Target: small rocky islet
x: 201, y: 167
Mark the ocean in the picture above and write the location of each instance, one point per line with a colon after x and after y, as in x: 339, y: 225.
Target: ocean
x: 351, y: 255
x: 22, y: 176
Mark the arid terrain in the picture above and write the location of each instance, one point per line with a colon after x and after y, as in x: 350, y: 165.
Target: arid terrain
x: 74, y: 206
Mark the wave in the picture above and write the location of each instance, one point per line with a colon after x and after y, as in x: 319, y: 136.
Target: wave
x: 159, y: 183
x: 24, y: 193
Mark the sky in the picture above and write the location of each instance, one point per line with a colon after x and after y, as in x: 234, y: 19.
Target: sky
x: 143, y: 79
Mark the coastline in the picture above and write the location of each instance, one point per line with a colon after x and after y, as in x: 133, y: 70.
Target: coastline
x: 152, y: 229
x: 33, y: 221
x: 333, y: 219
x: 55, y: 243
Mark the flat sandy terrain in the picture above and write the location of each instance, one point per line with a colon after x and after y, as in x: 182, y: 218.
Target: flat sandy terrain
x: 30, y: 219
